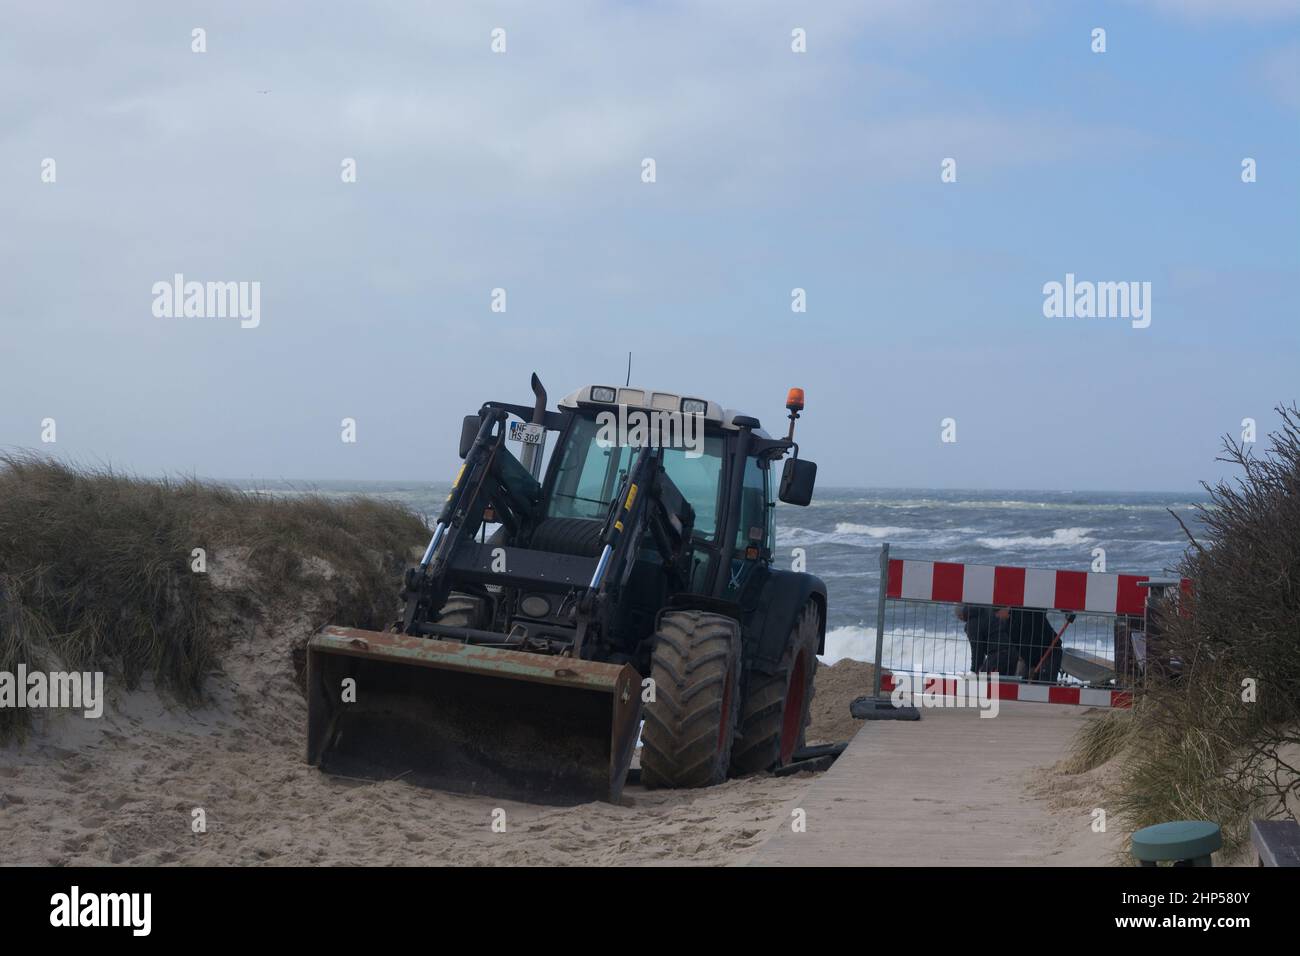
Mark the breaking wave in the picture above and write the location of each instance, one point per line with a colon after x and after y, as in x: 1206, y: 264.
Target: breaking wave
x: 1061, y: 537
x: 871, y: 531
x: 852, y: 641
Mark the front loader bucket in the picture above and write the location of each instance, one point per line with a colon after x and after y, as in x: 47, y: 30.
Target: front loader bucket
x: 469, y: 718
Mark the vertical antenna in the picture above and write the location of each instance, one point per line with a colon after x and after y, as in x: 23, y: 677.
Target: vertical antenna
x: 629, y: 369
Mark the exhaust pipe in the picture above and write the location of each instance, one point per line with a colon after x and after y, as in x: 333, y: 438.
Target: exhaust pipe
x: 531, y: 457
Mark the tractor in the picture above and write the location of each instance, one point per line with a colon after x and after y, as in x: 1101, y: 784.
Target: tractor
x: 626, y: 590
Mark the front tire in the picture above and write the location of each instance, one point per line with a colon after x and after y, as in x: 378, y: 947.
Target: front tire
x: 774, y: 719
x: 691, y: 724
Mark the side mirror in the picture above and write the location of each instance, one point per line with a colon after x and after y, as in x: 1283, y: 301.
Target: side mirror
x: 468, y: 432
x: 797, y: 480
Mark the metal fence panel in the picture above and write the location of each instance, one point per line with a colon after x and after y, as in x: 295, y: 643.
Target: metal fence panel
x: 1067, y: 636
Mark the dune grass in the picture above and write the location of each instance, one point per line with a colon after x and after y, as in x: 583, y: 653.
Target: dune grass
x: 96, y: 568
x: 1218, y: 741
x: 1100, y: 740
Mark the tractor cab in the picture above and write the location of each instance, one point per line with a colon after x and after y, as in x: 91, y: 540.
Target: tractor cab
x: 714, y: 457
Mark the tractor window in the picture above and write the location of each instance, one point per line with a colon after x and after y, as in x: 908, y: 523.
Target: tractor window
x: 753, y: 505
x: 698, y: 479
x: 588, y: 476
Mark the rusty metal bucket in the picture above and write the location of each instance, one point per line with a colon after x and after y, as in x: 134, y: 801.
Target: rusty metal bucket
x: 470, y: 719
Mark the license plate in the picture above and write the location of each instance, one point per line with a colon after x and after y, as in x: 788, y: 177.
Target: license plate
x: 527, y: 432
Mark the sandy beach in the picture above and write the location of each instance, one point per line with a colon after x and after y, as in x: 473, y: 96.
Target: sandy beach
x: 125, y: 788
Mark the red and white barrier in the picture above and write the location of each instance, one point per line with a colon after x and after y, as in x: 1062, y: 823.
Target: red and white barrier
x: 1018, y: 587
x: 920, y: 586
x: 1014, y: 690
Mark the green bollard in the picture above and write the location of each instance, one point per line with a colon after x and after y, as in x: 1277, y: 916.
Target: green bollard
x: 1182, y: 843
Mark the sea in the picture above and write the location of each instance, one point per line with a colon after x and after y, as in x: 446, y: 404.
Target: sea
x: 839, y: 536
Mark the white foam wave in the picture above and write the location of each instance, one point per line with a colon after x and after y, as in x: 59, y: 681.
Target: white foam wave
x: 871, y: 531
x: 801, y: 537
x: 1061, y: 537
x: 850, y: 641
x: 915, y: 504
x: 907, y: 648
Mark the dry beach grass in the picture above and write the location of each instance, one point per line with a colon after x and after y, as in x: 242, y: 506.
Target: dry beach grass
x: 1220, y: 740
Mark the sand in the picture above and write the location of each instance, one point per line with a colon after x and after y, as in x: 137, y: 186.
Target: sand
x: 835, y: 688
x: 130, y: 800
x: 129, y: 787
x: 1068, y: 794
x: 124, y: 789
x: 1074, y: 796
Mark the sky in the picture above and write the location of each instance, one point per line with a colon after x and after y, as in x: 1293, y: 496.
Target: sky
x: 774, y: 170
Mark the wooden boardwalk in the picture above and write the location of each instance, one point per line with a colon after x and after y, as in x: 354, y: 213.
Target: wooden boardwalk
x: 947, y: 790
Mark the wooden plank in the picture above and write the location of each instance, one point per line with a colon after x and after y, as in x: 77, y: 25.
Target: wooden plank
x: 1276, y: 842
x: 946, y: 790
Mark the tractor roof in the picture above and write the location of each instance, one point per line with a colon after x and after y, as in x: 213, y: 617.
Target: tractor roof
x: 611, y: 396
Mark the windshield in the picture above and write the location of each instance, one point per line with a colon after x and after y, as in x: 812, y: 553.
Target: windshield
x: 588, y: 476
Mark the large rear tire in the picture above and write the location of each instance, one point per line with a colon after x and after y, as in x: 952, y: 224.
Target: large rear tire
x: 691, y: 723
x: 774, y: 717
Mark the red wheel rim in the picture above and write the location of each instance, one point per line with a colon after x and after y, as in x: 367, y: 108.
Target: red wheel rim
x: 792, y: 714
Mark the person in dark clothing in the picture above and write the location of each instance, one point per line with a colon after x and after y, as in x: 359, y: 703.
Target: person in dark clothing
x: 1032, y: 635
x: 986, y: 630
x: 976, y: 620
x: 1003, y: 653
